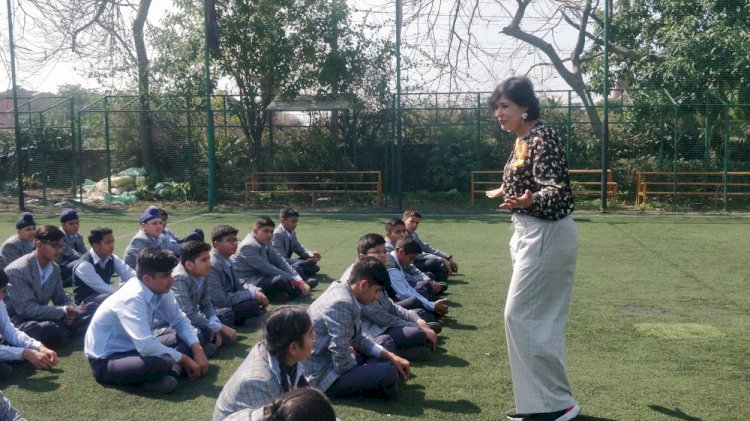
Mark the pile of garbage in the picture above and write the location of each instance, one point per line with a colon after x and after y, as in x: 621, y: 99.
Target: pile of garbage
x: 124, y: 187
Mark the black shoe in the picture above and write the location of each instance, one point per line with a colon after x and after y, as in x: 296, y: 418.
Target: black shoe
x: 279, y: 297
x: 162, y: 386
x: 419, y: 353
x: 312, y: 282
x: 5, y: 371
x: 435, y: 326
x: 444, y: 288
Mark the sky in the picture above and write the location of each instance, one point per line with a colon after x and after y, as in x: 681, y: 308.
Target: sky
x: 481, y: 73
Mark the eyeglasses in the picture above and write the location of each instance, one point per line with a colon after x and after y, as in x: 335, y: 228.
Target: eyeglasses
x: 56, y: 246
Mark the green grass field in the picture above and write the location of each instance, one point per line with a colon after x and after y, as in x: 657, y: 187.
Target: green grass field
x: 659, y: 326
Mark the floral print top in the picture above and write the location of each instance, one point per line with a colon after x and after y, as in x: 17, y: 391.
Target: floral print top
x: 538, y: 163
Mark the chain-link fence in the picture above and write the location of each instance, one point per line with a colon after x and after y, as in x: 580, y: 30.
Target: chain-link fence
x: 113, y: 151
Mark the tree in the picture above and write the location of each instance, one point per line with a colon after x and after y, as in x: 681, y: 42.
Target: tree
x: 109, y: 36
x: 274, y: 48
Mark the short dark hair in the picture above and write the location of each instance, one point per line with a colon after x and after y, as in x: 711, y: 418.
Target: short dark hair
x: 3, y: 279
x: 49, y: 233
x: 372, y: 270
x: 284, y: 325
x: 288, y: 213
x: 301, y: 404
x: 392, y: 223
x: 263, y: 222
x: 190, y: 250
x: 153, y: 260
x: 369, y: 241
x: 164, y: 214
x: 519, y: 90
x: 97, y: 234
x: 408, y: 245
x: 221, y: 231
x: 411, y: 212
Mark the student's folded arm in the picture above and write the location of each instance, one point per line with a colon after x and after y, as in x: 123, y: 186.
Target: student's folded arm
x: 87, y: 274
x: 140, y: 332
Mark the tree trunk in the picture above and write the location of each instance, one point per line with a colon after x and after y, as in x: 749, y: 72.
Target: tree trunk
x: 148, y: 155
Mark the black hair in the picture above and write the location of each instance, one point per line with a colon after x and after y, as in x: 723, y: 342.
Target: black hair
x: 369, y: 241
x: 411, y: 212
x: 288, y: 213
x: 302, y: 404
x: 49, y: 233
x: 97, y: 234
x: 221, y: 231
x: 392, y: 223
x: 372, y: 270
x: 284, y: 325
x: 519, y: 90
x: 263, y: 222
x: 190, y: 250
x: 153, y: 260
x: 163, y: 214
x: 3, y: 279
x: 408, y: 245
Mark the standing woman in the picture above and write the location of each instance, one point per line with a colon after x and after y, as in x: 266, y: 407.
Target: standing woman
x: 536, y: 188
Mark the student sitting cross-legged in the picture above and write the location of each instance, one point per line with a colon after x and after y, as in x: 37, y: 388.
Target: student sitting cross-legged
x: 151, y: 234
x: 73, y: 247
x: 441, y: 264
x: 412, y: 336
x: 345, y: 361
x: 258, y: 263
x: 406, y: 251
x: 286, y: 244
x: 17, y: 346
x: 93, y: 272
x: 234, y: 301
x: 190, y: 289
x: 120, y: 344
x: 21, y: 243
x: 273, y: 366
x: 423, y: 283
x: 34, y: 282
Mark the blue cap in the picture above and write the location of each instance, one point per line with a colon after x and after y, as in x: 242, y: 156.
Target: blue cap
x: 68, y: 215
x: 152, y: 212
x: 26, y: 220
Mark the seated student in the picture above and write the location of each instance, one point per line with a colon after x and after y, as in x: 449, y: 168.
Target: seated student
x: 151, y: 234
x: 73, y: 247
x: 423, y: 283
x: 273, y: 366
x: 120, y: 344
x: 229, y: 296
x: 34, y: 282
x: 336, y: 318
x: 412, y: 336
x: 190, y: 289
x: 406, y: 251
x: 196, y: 234
x: 258, y: 263
x: 442, y: 265
x: 16, y: 345
x: 92, y: 273
x: 304, y: 404
x: 20, y: 244
x: 285, y: 242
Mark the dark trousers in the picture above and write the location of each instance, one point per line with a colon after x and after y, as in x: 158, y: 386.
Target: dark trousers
x: 431, y: 263
x: 132, y: 368
x: 371, y: 377
x: 277, y: 288
x: 305, y: 269
x: 97, y: 299
x: 424, y: 288
x: 54, y: 334
x: 237, y: 314
x: 407, y: 337
x: 412, y: 303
